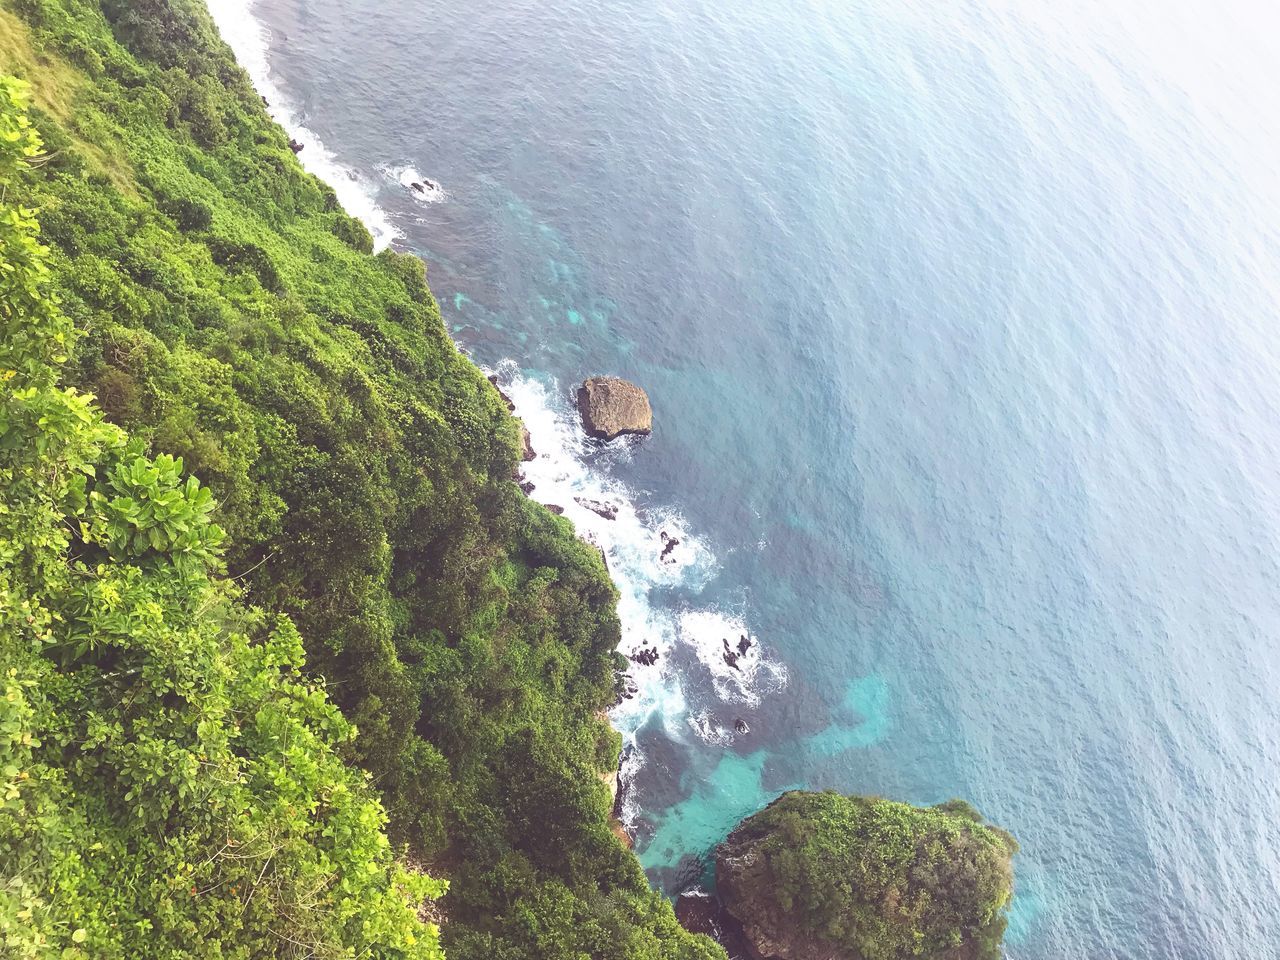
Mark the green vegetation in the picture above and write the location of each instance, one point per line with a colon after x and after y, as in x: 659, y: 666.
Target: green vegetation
x: 227, y: 313
x: 869, y: 879
x: 170, y: 782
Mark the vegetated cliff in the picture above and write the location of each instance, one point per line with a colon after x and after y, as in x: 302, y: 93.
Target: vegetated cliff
x: 231, y: 314
x: 820, y: 876
x: 170, y: 783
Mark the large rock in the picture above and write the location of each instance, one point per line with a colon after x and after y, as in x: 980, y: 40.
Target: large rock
x: 606, y: 510
x: 701, y: 912
x: 611, y: 407
x: 820, y: 876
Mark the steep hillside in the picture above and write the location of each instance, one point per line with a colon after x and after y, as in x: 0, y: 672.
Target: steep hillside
x: 170, y: 782
x: 231, y: 314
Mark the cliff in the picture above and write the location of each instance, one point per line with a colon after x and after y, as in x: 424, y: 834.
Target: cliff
x: 223, y: 309
x: 820, y: 876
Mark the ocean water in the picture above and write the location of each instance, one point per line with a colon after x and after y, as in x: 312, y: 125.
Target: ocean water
x: 960, y: 326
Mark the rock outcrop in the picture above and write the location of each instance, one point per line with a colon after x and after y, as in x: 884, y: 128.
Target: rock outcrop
x: 502, y: 393
x: 701, y: 912
x: 611, y: 407
x: 606, y: 510
x: 820, y: 876
x: 527, y: 453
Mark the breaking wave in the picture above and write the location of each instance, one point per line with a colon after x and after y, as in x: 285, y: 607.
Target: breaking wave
x: 704, y: 656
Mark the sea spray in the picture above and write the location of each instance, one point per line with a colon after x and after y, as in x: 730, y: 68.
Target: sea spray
x: 571, y: 471
x: 419, y: 186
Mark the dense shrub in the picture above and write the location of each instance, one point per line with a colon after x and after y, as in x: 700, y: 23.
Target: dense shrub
x: 862, y: 878
x: 169, y: 780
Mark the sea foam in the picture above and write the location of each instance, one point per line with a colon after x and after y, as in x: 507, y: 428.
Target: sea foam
x: 406, y: 175
x: 571, y: 471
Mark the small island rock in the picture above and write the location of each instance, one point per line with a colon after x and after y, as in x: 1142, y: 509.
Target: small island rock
x: 606, y: 510
x: 611, y: 407
x: 820, y: 876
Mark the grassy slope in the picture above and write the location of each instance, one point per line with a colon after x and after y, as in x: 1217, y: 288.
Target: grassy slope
x: 234, y: 315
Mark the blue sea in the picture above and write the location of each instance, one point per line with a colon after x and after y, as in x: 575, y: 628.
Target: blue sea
x: 961, y: 324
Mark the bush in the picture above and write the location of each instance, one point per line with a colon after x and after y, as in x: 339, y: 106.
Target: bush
x: 352, y: 232
x: 861, y: 878
x: 170, y: 784
x: 188, y: 212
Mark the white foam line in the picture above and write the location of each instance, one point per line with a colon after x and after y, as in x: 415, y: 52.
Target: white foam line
x: 632, y: 761
x: 250, y: 39
x: 409, y: 178
x: 566, y: 473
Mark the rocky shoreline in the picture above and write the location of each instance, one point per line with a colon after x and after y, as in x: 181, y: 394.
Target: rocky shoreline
x: 609, y: 407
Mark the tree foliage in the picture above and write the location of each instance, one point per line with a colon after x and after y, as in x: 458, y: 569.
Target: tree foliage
x: 871, y: 879
x: 169, y: 781
x: 231, y: 315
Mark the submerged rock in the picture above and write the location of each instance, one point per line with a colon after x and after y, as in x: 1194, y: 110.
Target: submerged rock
x: 611, y: 407
x: 820, y: 876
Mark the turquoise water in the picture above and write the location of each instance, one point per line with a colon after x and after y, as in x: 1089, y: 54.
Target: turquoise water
x: 959, y: 323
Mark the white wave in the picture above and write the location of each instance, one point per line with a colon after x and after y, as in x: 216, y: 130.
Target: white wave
x: 631, y: 761
x: 250, y: 40
x: 422, y: 189
x: 704, y: 725
x: 724, y: 645
x: 568, y: 472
